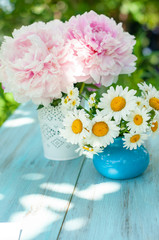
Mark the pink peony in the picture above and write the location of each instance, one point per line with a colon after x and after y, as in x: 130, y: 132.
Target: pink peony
x: 36, y: 64
x: 103, y: 49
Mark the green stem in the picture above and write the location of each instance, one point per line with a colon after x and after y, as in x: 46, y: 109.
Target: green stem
x: 91, y: 115
x: 81, y: 89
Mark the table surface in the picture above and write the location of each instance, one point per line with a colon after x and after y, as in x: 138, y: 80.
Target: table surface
x: 42, y: 199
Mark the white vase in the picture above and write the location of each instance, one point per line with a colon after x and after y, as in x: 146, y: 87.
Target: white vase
x: 55, y: 146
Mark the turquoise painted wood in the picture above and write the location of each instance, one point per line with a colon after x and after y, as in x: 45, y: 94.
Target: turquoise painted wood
x: 34, y: 192
x: 113, y: 209
x: 50, y: 200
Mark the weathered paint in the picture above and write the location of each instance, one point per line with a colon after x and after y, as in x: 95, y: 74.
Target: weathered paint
x: 70, y: 200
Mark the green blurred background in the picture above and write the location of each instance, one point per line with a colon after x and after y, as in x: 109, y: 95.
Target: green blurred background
x: 140, y: 18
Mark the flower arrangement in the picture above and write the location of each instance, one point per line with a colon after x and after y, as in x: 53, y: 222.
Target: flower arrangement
x: 54, y: 63
x: 119, y: 112
x: 40, y: 61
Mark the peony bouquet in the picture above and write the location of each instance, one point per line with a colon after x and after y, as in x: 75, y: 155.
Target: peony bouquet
x: 40, y: 62
x: 119, y: 112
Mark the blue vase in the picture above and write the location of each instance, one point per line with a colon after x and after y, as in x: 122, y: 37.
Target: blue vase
x: 116, y: 162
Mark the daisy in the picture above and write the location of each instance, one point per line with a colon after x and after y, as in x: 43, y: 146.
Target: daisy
x: 73, y: 93
x: 65, y: 105
x: 88, y: 150
x: 69, y: 104
x: 103, y: 131
x: 133, y: 140
x: 137, y: 120
x: 65, y: 102
x: 76, y: 126
x: 140, y: 102
x: 92, y: 100
x: 152, y: 100
x: 74, y: 103
x: 155, y: 125
x: 118, y: 102
x: 145, y: 88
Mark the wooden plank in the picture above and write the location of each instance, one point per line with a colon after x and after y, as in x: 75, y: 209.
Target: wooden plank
x: 34, y: 192
x: 111, y: 209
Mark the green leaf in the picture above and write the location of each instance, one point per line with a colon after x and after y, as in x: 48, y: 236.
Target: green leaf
x: 56, y: 102
x: 40, y: 106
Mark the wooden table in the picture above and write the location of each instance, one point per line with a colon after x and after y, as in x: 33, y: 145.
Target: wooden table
x: 47, y: 200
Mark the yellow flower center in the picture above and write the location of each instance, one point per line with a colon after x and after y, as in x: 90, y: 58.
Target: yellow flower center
x: 65, y: 100
x: 135, y: 138
x: 154, y: 127
x: 73, y: 102
x: 100, y: 129
x: 118, y: 103
x: 138, y: 120
x: 154, y: 103
x: 88, y: 149
x: 71, y: 93
x: 77, y: 126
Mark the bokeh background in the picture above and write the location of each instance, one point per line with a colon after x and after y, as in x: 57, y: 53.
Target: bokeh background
x: 140, y: 18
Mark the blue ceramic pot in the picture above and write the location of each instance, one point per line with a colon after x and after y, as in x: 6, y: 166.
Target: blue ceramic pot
x: 117, y: 162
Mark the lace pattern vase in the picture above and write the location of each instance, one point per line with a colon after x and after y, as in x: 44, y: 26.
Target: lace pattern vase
x: 55, y: 146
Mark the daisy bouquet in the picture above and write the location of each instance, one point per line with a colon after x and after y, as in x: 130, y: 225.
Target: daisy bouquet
x: 118, y: 112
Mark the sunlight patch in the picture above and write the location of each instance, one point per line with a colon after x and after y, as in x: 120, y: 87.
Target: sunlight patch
x: 61, y: 188
x: 36, y: 202
x: 33, y: 176
x: 18, y: 122
x: 33, y: 223
x: 9, y: 231
x: 97, y: 191
x: 74, y: 224
x: 1, y: 196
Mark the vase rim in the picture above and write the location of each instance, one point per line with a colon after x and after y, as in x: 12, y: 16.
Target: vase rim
x: 119, y: 137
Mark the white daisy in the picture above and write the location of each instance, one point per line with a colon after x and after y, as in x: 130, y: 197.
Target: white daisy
x: 69, y: 104
x: 103, y: 131
x: 155, y: 125
x: 118, y: 102
x: 74, y: 102
x: 73, y: 93
x: 65, y: 101
x: 137, y: 120
x: 92, y: 100
x: 65, y: 105
x: 152, y: 100
x: 133, y: 140
x: 145, y: 88
x: 140, y: 102
x: 88, y: 150
x: 76, y: 126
